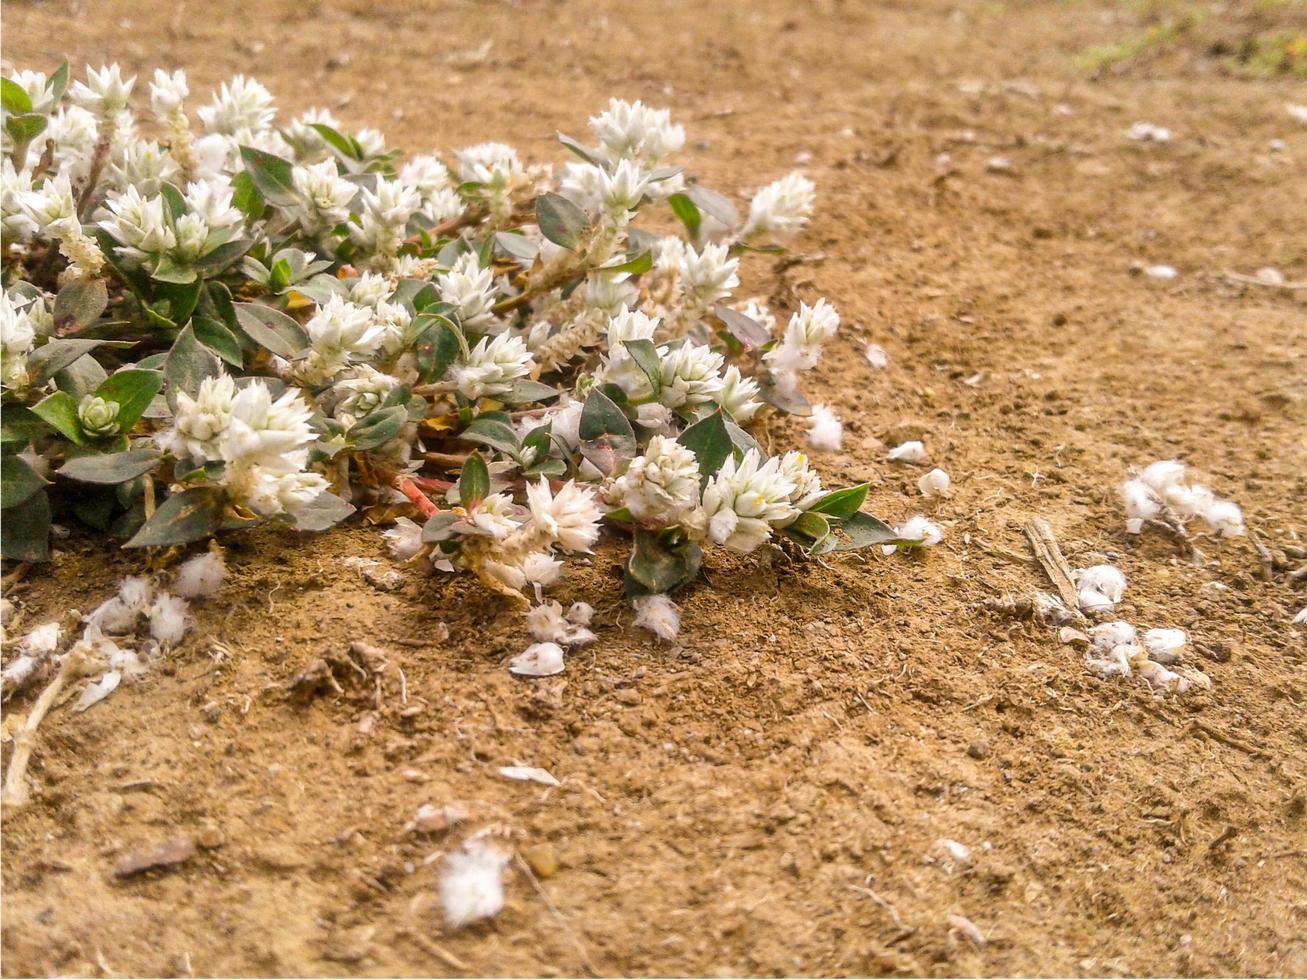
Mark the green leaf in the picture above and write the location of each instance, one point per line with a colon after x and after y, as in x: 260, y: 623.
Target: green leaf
x: 524, y: 391
x: 271, y: 175
x: 133, y: 390
x: 709, y: 441
x: 741, y: 440
x: 516, y: 246
x: 246, y: 196
x: 272, y: 329
x: 110, y: 468
x: 224, y: 255
x: 745, y: 329
x: 25, y: 127
x: 58, y: 83
x: 18, y: 481
x: 661, y: 562
x: 841, y: 504
x: 189, y: 362
x: 579, y: 148
x: 474, y: 481
x: 166, y: 270
x: 55, y: 355
x: 59, y: 409
x: 607, y: 439
x: 25, y: 530
x: 80, y: 378
x: 717, y: 205
x: 437, y: 347
x: 322, y: 512
x: 14, y: 97
x: 812, y: 532
x: 19, y: 425
x: 437, y: 528
x: 491, y: 432
x: 377, y: 428
x: 636, y: 265
x: 94, y: 509
x: 339, y: 142
x: 864, y: 531
x: 561, y: 221
x: 647, y: 360
x: 186, y: 516
x: 173, y: 200
x: 217, y: 338
x: 685, y: 210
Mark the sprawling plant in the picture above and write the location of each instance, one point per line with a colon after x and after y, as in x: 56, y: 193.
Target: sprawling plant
x: 211, y: 320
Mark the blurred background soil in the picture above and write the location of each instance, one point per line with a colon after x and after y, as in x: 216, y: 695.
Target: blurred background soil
x: 766, y: 797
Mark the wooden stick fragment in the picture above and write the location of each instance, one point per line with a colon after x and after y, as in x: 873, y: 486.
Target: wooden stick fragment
x: 1044, y: 544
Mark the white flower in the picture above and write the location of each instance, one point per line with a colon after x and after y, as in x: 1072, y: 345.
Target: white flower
x: 297, y: 490
x: 340, y: 331
x: 659, y: 615
x: 306, y: 143
x: 806, y: 333
x: 489, y: 163
x: 1188, y: 500
x: 708, y: 275
x: 104, y: 92
x: 140, y: 162
x: 384, y: 219
x: 661, y: 486
x: 1226, y: 517
x: 167, y: 92
x: 743, y: 500
x: 583, y: 184
x: 781, y: 208
x: 472, y: 884
x: 541, y: 569
x: 621, y: 190
x: 570, y: 517
x: 139, y: 224
x: 404, y: 539
x: 825, y: 430
x: 97, y: 416
x: 326, y: 196
x: 909, y: 452
x: 371, y: 141
x: 200, y: 577
x: 200, y: 423
x: 369, y: 289
x: 426, y: 175
x: 495, y: 517
x: 360, y: 393
x: 1166, y: 646
x: 807, y: 483
x: 471, y: 289
x: 634, y: 131
x: 691, y: 375
x: 936, y: 483
x: 51, y: 207
x: 14, y: 183
x: 268, y: 431
x: 241, y: 108
x: 75, y: 132
x: 761, y: 314
x: 739, y: 395
x: 538, y: 660
x: 36, y: 85
x: 491, y: 366
x: 17, y: 329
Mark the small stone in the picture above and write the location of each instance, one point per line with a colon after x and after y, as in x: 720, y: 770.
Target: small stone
x: 978, y: 750
x: 542, y: 859
x: 169, y: 854
x: 211, y: 712
x: 210, y: 837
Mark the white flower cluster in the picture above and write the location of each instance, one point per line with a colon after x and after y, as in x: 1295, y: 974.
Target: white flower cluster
x: 263, y: 443
x: 1161, y: 493
x: 1116, y: 650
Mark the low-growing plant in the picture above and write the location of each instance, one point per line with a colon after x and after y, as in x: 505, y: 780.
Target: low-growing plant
x: 210, y: 321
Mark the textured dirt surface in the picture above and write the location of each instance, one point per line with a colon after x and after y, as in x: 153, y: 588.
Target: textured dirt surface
x: 764, y: 798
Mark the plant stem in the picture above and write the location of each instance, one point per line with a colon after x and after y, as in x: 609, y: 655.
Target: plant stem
x: 16, y: 793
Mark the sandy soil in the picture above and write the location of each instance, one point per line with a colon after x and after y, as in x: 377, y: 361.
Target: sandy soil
x: 765, y: 798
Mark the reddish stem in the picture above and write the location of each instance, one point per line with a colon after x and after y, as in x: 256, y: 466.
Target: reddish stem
x: 419, y: 500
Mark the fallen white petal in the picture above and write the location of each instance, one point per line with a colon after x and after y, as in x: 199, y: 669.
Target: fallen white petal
x: 529, y: 774
x: 97, y: 692
x: 538, y: 660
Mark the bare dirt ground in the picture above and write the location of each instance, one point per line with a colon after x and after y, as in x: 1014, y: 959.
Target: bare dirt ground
x: 764, y: 798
